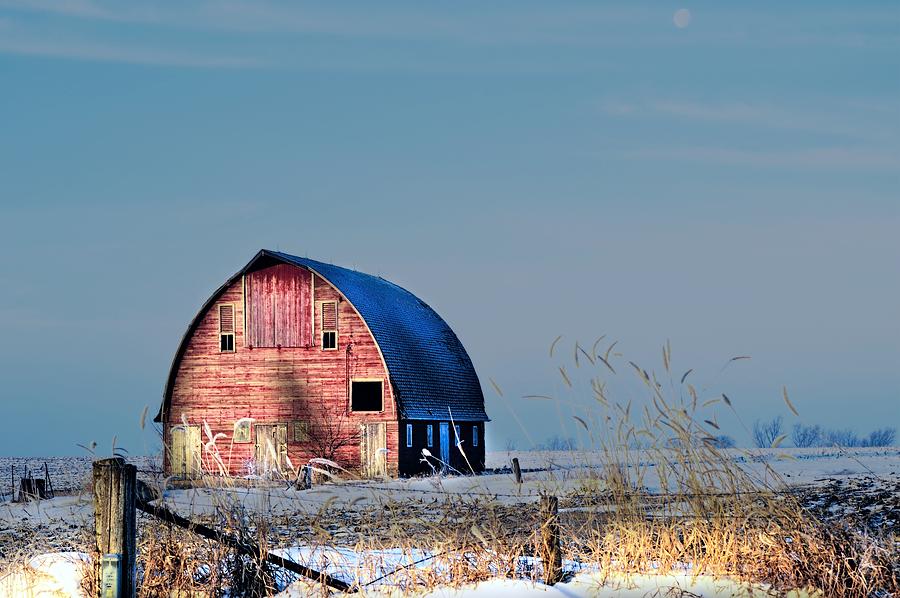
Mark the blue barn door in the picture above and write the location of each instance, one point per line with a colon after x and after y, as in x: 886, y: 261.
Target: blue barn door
x: 445, y: 446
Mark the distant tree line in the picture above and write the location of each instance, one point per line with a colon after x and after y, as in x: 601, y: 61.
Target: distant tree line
x: 766, y: 433
x: 558, y: 443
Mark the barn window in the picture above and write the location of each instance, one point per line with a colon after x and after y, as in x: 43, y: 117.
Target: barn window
x: 301, y: 431
x: 226, y: 328
x: 408, y: 435
x: 429, y: 433
x: 329, y: 325
x: 241, y: 431
x: 475, y: 435
x: 458, y: 437
x: 366, y: 395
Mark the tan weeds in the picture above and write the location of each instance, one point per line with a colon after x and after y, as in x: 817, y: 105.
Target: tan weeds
x: 706, y: 515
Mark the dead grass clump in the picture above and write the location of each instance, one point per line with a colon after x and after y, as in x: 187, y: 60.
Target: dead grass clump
x: 675, y: 501
x: 177, y: 562
x: 666, y: 498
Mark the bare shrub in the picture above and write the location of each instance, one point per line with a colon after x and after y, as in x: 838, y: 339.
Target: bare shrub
x: 881, y: 437
x: 723, y: 441
x: 558, y: 443
x: 765, y: 433
x: 330, y: 432
x: 806, y: 436
x: 846, y: 438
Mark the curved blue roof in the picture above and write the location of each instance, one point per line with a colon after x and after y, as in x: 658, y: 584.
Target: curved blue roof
x: 429, y: 369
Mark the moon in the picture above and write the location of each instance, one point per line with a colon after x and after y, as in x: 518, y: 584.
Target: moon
x: 682, y: 18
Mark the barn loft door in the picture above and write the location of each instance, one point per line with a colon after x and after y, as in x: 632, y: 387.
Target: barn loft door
x: 271, y: 448
x: 278, y: 307
x: 184, y: 451
x: 373, y: 449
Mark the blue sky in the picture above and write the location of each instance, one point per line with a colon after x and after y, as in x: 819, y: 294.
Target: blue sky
x: 529, y: 169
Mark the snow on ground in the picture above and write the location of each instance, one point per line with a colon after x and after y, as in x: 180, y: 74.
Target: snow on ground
x: 368, y: 568
x: 588, y: 585
x: 55, y: 575
x: 554, y: 472
x: 61, y: 575
x: 64, y: 523
x: 55, y: 524
x: 796, y: 466
x: 68, y: 475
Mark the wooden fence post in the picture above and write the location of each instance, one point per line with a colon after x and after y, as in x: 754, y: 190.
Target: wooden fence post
x: 304, y: 478
x: 517, y: 471
x: 550, y: 553
x: 115, y: 525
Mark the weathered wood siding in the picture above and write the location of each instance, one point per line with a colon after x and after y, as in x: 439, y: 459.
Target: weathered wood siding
x: 279, y: 385
x: 279, y: 307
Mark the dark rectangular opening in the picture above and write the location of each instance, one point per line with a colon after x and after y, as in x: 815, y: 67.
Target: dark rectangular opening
x: 329, y: 340
x: 226, y: 343
x: 365, y: 395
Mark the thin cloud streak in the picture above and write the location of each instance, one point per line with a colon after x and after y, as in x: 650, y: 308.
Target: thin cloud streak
x: 814, y: 158
x: 267, y: 17
x: 72, y: 8
x: 527, y: 25
x: 107, y: 53
x: 835, y: 122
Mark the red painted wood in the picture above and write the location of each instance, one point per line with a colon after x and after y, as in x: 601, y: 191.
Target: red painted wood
x: 278, y: 300
x: 278, y: 385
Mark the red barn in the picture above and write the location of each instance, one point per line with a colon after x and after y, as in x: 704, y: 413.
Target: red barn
x: 292, y: 359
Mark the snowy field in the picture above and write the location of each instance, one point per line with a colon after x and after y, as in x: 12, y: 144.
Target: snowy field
x: 861, y: 483
x: 68, y: 475
x: 60, y: 574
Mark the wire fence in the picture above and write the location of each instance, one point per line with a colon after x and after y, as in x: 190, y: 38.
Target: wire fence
x: 645, y: 507
x: 291, y: 494
x: 511, y: 529
x: 244, y: 485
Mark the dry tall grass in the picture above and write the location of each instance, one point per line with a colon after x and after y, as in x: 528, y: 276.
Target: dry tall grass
x: 710, y: 513
x: 705, y: 514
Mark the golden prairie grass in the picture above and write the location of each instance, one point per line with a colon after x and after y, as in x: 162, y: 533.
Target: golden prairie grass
x: 664, y: 499
x: 709, y: 512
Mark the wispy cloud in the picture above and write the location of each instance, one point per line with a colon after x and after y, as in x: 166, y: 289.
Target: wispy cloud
x: 31, y: 44
x: 846, y: 120
x: 74, y: 8
x: 312, y: 35
x: 813, y: 158
x: 472, y: 22
x: 480, y: 23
